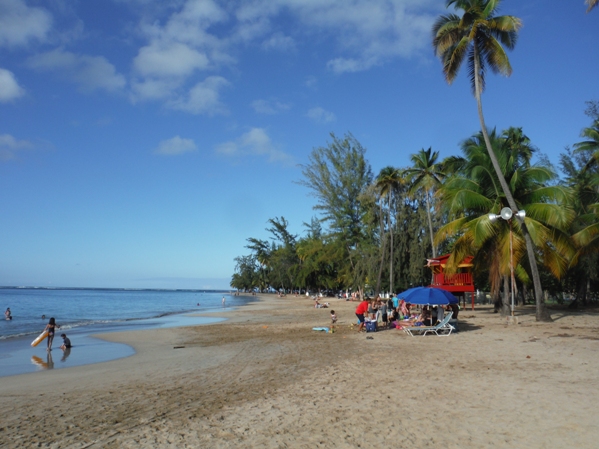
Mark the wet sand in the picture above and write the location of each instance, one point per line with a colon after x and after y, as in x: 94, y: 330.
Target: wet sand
x: 265, y: 379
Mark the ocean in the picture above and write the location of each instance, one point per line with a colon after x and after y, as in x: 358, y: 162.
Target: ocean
x: 83, y: 312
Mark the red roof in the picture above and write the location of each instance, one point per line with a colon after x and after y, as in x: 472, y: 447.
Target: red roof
x: 442, y: 260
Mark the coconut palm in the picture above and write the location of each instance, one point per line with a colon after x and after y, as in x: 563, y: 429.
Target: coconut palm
x: 581, y: 176
x: 592, y: 4
x: 387, y: 182
x: 475, y: 190
x: 591, y: 144
x: 480, y: 36
x: 425, y: 174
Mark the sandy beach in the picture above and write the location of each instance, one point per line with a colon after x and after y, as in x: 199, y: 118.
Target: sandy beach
x: 265, y: 379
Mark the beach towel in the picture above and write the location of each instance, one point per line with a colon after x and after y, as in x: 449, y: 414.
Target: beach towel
x: 323, y: 329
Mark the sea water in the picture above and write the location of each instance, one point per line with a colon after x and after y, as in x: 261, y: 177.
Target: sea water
x: 83, y: 312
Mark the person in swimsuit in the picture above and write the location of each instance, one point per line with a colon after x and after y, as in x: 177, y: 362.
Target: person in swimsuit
x: 51, y: 328
x: 7, y: 314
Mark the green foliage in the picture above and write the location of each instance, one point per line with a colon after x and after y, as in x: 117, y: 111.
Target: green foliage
x: 473, y: 191
x: 377, y: 233
x: 247, y: 273
x: 337, y: 175
x: 478, y: 36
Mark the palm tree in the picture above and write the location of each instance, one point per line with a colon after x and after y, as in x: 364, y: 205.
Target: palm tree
x: 386, y: 185
x: 480, y: 36
x: 592, y: 4
x: 425, y: 174
x: 591, y: 144
x: 474, y: 190
x: 582, y: 177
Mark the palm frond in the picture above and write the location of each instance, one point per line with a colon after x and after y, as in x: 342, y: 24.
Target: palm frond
x: 495, y: 56
x: 553, y: 215
x: 505, y: 30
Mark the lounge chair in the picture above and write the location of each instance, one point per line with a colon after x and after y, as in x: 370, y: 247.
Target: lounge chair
x: 441, y: 329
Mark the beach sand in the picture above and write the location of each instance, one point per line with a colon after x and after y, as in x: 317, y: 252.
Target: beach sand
x: 265, y: 379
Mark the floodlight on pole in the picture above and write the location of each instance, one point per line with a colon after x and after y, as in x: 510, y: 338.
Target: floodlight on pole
x: 507, y: 214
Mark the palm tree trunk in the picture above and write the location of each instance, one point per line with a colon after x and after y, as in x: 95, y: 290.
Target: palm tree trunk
x: 390, y: 249
x: 378, y: 281
x: 505, y: 305
x: 541, y: 311
x: 430, y: 223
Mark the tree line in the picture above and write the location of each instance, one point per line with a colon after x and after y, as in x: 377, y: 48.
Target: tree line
x: 379, y: 230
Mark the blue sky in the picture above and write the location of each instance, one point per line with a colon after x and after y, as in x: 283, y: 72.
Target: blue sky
x: 142, y: 142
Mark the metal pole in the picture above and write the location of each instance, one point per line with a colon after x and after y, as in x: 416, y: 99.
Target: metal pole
x: 512, y: 266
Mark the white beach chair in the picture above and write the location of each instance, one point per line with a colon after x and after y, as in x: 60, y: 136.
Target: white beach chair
x: 441, y: 329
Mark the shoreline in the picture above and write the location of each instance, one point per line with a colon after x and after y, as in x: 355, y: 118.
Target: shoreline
x: 264, y: 378
x: 18, y: 357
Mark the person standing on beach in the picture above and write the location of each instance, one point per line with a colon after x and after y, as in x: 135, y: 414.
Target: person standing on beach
x: 395, y: 300
x: 360, y: 311
x: 51, y: 328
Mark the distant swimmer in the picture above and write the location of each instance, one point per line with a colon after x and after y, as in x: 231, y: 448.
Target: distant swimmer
x: 224, y: 301
x: 43, y: 317
x: 66, y: 342
x: 7, y: 314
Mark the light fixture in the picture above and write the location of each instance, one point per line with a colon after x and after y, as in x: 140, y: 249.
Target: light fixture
x: 506, y: 213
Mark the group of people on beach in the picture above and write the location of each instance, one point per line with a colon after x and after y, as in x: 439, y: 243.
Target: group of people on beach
x: 50, y: 328
x: 395, y: 312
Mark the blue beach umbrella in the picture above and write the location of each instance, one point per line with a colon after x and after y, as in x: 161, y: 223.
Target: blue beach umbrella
x: 428, y: 296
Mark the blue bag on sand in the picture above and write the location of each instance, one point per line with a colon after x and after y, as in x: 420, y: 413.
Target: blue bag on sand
x: 371, y: 326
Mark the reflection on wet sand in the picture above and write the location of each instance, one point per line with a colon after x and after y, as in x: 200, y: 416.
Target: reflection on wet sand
x: 66, y: 353
x: 48, y: 364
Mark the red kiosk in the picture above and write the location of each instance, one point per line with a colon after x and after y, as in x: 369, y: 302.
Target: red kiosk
x: 460, y: 283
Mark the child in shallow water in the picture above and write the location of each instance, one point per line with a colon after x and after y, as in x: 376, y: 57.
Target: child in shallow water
x: 66, y: 343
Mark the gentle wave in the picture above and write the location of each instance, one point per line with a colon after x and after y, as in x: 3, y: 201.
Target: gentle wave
x: 74, y: 308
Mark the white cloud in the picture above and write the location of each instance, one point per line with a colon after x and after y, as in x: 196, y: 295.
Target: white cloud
x: 179, y: 48
x: 190, y: 37
x: 311, y: 82
x: 366, y: 32
x: 321, y: 115
x: 279, y: 41
x: 269, y: 107
x: 341, y: 65
x: 9, y: 146
x: 9, y: 88
x: 203, y: 98
x: 169, y: 60
x: 254, y: 143
x: 175, y: 146
x: 20, y: 24
x: 154, y: 89
x: 89, y: 72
